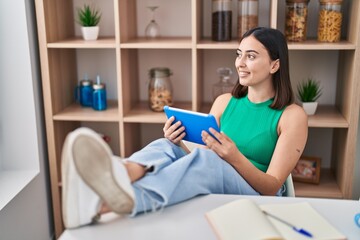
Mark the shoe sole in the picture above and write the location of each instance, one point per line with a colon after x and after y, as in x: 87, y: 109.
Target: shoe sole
x: 97, y: 173
x: 70, y: 213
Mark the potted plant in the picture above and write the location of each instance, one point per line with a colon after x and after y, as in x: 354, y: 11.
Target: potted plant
x: 308, y: 92
x: 89, y: 18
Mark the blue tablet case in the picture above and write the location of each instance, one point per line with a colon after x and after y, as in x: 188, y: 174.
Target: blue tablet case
x: 194, y: 122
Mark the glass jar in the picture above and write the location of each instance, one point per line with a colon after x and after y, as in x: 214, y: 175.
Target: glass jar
x: 224, y: 85
x: 296, y: 20
x: 160, y: 89
x: 330, y: 20
x: 247, y: 16
x: 99, y: 97
x: 221, y: 20
x: 84, y: 92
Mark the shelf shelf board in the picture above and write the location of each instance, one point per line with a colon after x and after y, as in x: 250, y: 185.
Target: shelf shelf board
x: 75, y: 112
x: 315, y: 45
x: 210, y: 44
x: 141, y: 113
x: 159, y: 43
x: 325, y: 117
x: 306, y: 45
x: 328, y: 117
x: 327, y: 188
x: 101, y: 42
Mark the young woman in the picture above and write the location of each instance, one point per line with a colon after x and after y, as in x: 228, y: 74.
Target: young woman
x: 263, y: 134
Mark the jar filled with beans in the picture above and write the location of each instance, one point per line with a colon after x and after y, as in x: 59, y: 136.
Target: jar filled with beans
x: 221, y: 22
x: 330, y: 19
x: 160, y: 89
x: 296, y: 20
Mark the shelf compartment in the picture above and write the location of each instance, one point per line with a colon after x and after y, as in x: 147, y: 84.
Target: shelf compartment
x: 75, y: 112
x: 101, y: 42
x: 141, y: 113
x: 159, y: 43
x: 327, y: 116
x: 327, y: 188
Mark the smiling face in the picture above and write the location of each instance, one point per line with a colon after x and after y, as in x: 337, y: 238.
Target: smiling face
x: 254, y: 65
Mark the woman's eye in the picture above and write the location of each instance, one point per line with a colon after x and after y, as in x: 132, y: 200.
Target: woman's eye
x: 251, y: 57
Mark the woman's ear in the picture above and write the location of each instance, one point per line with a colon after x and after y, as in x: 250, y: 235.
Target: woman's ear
x: 275, y: 65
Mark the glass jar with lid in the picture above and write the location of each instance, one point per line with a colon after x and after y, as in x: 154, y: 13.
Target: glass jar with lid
x: 221, y: 23
x: 296, y: 20
x: 224, y: 85
x: 247, y: 16
x: 160, y: 88
x: 330, y: 20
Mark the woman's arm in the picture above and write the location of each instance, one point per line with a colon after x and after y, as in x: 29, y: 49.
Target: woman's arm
x: 292, y: 129
x: 219, y: 106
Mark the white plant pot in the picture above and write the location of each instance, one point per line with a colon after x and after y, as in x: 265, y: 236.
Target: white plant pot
x: 310, y: 107
x: 90, y: 33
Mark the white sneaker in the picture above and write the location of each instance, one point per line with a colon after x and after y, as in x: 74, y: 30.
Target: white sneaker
x: 102, y: 172
x: 80, y: 204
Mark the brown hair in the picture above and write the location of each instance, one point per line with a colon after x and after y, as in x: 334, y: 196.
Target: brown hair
x: 276, y: 45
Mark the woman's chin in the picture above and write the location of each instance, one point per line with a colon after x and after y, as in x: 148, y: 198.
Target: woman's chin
x: 244, y: 83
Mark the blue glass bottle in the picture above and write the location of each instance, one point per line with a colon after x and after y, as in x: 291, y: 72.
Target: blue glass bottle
x: 86, y: 93
x: 99, y: 97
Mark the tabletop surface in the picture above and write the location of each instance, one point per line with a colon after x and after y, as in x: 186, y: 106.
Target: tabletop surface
x: 186, y: 220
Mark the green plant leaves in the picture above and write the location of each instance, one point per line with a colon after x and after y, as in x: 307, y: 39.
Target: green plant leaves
x: 309, y: 91
x: 88, y: 16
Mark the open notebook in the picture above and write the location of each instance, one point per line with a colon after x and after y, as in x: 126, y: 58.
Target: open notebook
x: 244, y: 219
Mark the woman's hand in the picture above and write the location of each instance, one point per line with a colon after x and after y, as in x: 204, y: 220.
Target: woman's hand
x: 225, y: 147
x: 175, y: 132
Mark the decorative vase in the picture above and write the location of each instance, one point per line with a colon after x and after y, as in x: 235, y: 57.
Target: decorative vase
x: 310, y: 107
x: 90, y: 33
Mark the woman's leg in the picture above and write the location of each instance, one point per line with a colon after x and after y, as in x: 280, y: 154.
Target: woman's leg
x: 135, y: 171
x: 175, y: 176
x: 200, y: 172
x: 157, y: 155
x: 89, y: 167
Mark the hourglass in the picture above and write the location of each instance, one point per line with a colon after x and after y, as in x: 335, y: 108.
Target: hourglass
x: 152, y: 30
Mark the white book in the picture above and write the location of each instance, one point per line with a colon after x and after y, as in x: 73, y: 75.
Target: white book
x: 244, y: 219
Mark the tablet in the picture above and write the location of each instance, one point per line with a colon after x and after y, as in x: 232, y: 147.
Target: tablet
x: 194, y: 122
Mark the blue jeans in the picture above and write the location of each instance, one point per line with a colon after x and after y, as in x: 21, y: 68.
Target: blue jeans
x: 178, y: 176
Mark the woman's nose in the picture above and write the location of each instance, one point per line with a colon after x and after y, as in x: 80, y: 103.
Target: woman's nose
x: 239, y: 62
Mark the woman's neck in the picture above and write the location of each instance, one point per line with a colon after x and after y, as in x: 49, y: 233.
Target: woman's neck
x: 259, y: 96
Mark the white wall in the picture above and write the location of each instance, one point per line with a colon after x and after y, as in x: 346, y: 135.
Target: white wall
x: 22, y: 140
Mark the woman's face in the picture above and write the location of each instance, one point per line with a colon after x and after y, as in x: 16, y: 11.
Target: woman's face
x: 253, y: 63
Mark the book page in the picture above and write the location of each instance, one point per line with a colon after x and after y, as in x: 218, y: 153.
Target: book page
x: 241, y: 219
x: 301, y: 215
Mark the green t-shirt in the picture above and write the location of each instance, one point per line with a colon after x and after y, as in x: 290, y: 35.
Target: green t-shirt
x: 253, y: 128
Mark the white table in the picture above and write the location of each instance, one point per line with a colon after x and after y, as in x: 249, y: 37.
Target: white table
x: 187, y: 221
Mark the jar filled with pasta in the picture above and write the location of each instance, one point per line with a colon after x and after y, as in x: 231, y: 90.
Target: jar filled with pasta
x: 296, y: 20
x: 247, y: 15
x: 330, y: 19
x: 160, y: 89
